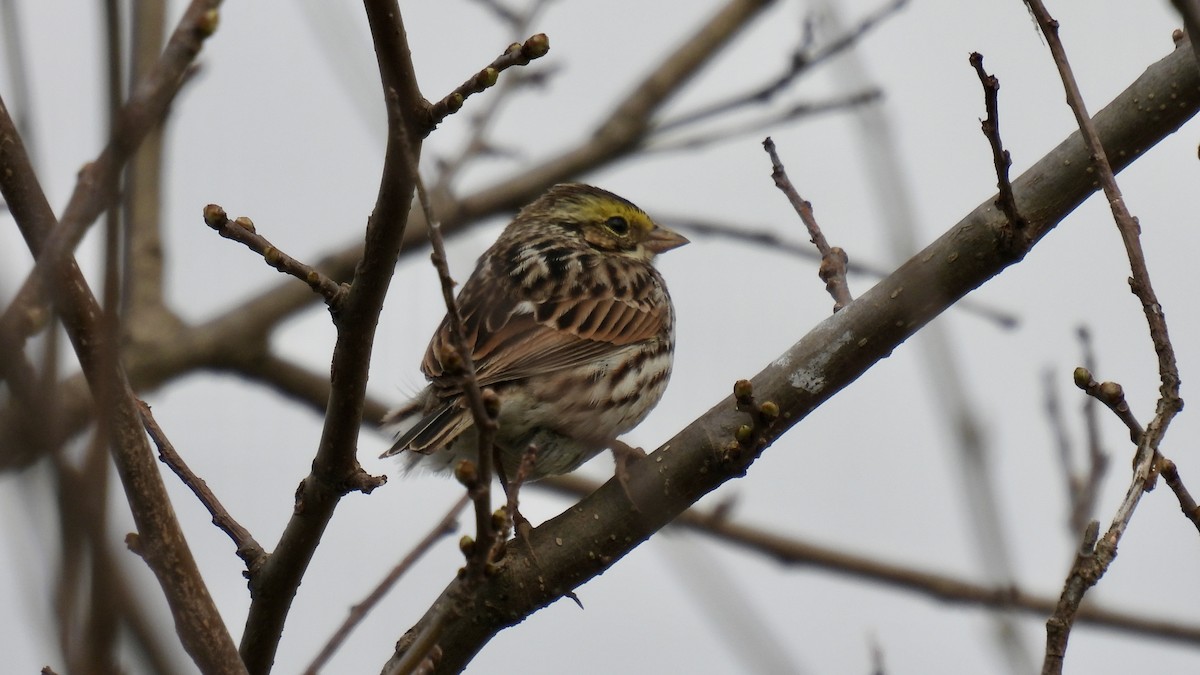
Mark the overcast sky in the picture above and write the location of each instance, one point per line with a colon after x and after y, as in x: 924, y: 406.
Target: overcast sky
x: 284, y: 125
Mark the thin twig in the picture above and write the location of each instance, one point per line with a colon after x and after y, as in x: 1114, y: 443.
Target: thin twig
x: 248, y: 549
x: 790, y: 550
x: 1098, y: 462
x: 1187, y: 503
x: 95, y: 189
x: 476, y: 143
x: 1112, y: 395
x: 765, y: 237
x: 242, y: 231
x: 833, y: 259
x: 517, y: 54
x: 1089, y: 568
x: 733, y: 132
x: 477, y: 479
x: 484, y: 406
x: 446, y: 526
x: 160, y: 539
x: 335, y: 468
x: 991, y: 129
x: 803, y: 58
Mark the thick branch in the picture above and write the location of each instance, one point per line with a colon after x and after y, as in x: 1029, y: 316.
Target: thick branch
x: 160, y: 540
x: 584, y: 541
x: 335, y: 470
x: 248, y: 324
x: 96, y: 187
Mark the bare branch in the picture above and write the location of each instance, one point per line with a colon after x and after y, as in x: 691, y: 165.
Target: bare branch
x: 160, y: 540
x: 335, y: 469
x: 444, y: 528
x: 248, y: 549
x: 96, y: 188
x: 833, y: 259
x: 991, y: 129
x: 516, y: 55
x: 1091, y: 565
x: 802, y: 60
x: 1112, y: 395
x: 484, y: 413
x: 1187, y: 503
x: 591, y: 536
x: 788, y: 550
x: 242, y: 231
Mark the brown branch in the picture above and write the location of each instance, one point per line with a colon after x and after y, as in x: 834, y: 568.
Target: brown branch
x: 96, y: 187
x: 1089, y: 568
x: 476, y: 143
x: 242, y: 231
x: 248, y: 549
x: 991, y: 129
x: 765, y: 237
x: 793, y: 551
x: 833, y: 259
x: 1189, y: 10
x: 247, y: 325
x: 335, y: 469
x: 445, y: 527
x: 803, y: 59
x: 1085, y: 572
x: 484, y: 407
x: 1112, y: 395
x: 1187, y: 503
x: 144, y: 307
x: 794, y: 112
x: 517, y: 54
x: 160, y: 539
x: 478, y: 478
x: 594, y: 534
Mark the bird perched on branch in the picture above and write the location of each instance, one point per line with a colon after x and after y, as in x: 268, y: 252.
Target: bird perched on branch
x: 568, y: 323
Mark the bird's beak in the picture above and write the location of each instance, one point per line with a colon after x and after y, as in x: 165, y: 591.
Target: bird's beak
x: 661, y: 240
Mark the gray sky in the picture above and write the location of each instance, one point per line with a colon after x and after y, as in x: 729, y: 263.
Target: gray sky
x: 272, y: 129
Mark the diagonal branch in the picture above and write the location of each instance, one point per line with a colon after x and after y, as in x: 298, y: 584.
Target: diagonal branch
x: 591, y: 536
x: 96, y: 187
x: 250, y: 322
x: 335, y: 469
x: 787, y: 550
x: 159, y: 539
x: 1096, y: 555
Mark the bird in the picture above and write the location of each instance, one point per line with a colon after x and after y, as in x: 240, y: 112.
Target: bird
x: 568, y: 323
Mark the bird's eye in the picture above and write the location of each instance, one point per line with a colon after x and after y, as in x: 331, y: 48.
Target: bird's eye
x: 617, y: 225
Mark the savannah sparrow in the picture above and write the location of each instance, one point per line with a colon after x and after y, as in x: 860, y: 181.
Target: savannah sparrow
x: 568, y: 323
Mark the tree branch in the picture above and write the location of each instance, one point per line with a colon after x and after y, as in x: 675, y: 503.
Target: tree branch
x: 335, y: 469
x: 160, y: 540
x: 590, y: 537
